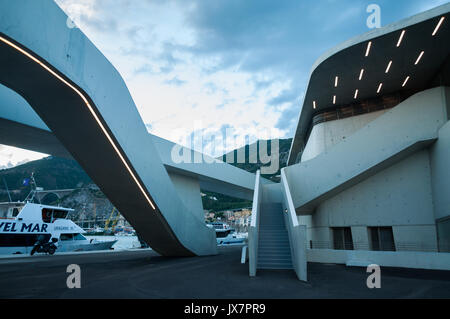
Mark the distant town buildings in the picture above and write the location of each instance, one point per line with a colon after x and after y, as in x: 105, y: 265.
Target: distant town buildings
x: 236, y: 218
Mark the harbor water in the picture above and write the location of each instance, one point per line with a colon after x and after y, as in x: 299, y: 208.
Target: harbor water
x: 123, y: 242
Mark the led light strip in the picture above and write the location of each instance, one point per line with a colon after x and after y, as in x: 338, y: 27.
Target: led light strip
x: 420, y: 57
x: 406, y: 81
x: 379, y: 87
x: 438, y: 26
x: 90, y: 109
x: 361, y: 74
x: 369, y: 45
x: 401, y: 38
x: 388, y: 67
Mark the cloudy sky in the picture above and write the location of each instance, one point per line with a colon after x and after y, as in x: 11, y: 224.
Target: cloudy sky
x: 240, y: 65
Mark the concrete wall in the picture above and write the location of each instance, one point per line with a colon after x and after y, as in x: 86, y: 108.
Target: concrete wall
x: 363, y: 258
x: 324, y: 135
x: 297, y: 233
x: 271, y: 193
x: 440, y: 171
x: 398, y: 133
x: 188, y: 189
x: 398, y: 196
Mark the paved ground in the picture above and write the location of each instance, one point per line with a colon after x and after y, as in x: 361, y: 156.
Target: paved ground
x: 144, y: 274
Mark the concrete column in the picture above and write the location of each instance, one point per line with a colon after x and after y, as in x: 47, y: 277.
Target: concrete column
x: 360, y: 235
x: 188, y: 189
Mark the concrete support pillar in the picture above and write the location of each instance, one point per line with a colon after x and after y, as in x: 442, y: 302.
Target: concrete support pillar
x: 188, y: 189
x: 360, y: 236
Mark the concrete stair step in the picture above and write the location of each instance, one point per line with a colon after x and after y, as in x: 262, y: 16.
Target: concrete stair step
x: 282, y: 260
x: 274, y: 241
x: 274, y: 266
x: 278, y: 249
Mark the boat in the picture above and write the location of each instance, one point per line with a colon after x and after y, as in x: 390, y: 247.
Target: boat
x: 225, y: 235
x: 97, y: 231
x: 22, y: 224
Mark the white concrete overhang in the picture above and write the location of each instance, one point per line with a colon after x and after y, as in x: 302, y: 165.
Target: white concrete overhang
x: 393, y: 63
x: 20, y: 126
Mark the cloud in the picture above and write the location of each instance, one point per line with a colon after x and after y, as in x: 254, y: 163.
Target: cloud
x: 12, y: 156
x: 244, y: 64
x: 175, y: 81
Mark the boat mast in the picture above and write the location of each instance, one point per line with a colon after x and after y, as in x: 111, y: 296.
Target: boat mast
x: 32, y: 194
x: 7, y: 190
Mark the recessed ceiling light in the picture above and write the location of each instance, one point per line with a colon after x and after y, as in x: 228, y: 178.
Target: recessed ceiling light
x: 389, y: 67
x: 314, y: 105
x: 356, y: 93
x: 406, y: 81
x: 336, y: 81
x: 401, y: 38
x: 361, y: 74
x: 438, y: 26
x: 334, y: 99
x: 369, y: 45
x: 379, y: 88
x: 420, y: 57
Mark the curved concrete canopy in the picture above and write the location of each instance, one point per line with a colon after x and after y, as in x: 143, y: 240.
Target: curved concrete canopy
x: 373, y: 52
x: 83, y: 100
x: 20, y: 126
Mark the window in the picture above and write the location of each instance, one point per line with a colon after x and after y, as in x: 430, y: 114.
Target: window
x: 222, y: 234
x: 59, y: 214
x: 46, y: 215
x: 15, y: 212
x: 443, y: 234
x: 342, y: 238
x: 382, y: 238
x: 78, y: 237
x: 50, y: 215
x: 65, y: 237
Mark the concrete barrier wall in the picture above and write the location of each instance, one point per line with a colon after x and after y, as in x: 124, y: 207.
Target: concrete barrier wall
x: 363, y: 258
x: 399, y: 132
x: 253, y: 230
x: 297, y: 233
x: 327, y: 134
x: 399, y: 196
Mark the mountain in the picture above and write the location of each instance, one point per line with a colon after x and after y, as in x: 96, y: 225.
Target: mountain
x: 60, y: 173
x: 284, y: 147
x: 49, y: 173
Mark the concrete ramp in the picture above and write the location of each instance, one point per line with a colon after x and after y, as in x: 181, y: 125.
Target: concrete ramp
x: 405, y: 129
x: 85, y: 103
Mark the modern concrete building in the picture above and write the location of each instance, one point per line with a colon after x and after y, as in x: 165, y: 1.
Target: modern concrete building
x: 368, y: 174
x: 369, y: 164
x: 60, y: 95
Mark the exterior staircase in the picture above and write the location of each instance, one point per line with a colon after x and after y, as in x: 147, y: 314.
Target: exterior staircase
x: 274, y: 251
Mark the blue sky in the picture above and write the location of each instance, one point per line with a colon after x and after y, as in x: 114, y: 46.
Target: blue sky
x: 215, y: 64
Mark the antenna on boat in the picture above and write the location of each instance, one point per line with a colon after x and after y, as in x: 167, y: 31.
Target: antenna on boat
x: 32, y: 194
x: 7, y: 190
